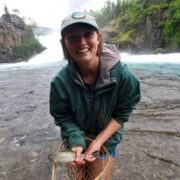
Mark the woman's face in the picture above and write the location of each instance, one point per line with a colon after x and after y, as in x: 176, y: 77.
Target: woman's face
x: 82, y: 43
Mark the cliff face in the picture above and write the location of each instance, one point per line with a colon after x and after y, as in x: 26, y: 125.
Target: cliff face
x: 144, y: 31
x: 12, y: 31
x: 149, y: 35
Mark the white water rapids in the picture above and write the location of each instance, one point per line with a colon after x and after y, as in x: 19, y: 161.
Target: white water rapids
x: 53, y: 53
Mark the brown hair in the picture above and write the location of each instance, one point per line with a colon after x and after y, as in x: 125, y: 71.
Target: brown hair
x: 65, y: 51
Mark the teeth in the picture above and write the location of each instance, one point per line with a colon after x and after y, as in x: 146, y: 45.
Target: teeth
x: 82, y: 50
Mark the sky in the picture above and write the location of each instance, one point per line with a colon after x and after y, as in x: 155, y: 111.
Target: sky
x: 49, y: 13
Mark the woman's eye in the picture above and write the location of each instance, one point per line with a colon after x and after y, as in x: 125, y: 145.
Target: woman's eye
x: 71, y: 38
x: 89, y: 34
x: 76, y: 37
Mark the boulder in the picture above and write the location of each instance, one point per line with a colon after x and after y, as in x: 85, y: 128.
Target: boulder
x: 12, y: 31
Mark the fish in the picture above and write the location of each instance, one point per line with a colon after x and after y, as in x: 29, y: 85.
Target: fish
x: 63, y: 156
x: 66, y: 156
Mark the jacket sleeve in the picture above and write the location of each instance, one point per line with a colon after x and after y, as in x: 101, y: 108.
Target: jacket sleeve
x: 63, y: 116
x: 128, y: 95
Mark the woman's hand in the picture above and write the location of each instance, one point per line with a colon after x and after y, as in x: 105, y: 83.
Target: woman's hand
x: 102, y: 137
x: 79, y: 160
x: 95, y: 146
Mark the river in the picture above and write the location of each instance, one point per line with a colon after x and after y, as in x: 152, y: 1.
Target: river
x: 53, y: 53
x: 151, y: 145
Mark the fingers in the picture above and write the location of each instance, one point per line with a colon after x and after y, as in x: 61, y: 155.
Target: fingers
x: 89, y: 157
x: 79, y: 160
x: 78, y: 155
x: 94, y: 147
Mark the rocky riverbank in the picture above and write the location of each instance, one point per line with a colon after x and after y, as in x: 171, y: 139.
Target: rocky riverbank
x: 151, y: 145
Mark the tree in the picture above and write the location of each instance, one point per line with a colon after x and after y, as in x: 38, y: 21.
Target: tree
x: 16, y: 11
x: 6, y: 11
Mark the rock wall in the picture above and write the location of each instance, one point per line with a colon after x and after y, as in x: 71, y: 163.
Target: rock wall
x: 12, y: 31
x: 149, y: 36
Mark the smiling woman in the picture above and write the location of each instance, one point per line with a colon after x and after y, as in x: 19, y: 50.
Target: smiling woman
x: 94, y: 95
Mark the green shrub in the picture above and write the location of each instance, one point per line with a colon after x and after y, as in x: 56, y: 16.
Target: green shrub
x: 26, y: 48
x: 123, y: 36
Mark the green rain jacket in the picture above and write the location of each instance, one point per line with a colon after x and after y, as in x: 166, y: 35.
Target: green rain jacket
x: 81, y: 113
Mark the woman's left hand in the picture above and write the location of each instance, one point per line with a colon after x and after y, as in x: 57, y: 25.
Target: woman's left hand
x: 95, y: 146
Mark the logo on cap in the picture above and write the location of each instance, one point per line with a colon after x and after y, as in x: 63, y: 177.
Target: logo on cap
x: 78, y: 15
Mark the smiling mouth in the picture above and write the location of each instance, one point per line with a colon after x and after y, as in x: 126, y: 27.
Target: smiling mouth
x: 82, y: 51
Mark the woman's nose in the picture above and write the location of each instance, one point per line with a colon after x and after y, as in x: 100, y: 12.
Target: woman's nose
x: 82, y: 39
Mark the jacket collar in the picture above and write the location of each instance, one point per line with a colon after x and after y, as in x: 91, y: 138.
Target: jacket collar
x: 109, y: 58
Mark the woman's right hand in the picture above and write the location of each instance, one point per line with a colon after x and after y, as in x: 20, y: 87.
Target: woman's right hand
x: 79, y: 160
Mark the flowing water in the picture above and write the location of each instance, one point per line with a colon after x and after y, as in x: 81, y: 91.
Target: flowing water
x: 54, y: 54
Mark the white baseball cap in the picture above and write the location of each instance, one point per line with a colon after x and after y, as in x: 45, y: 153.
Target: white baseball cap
x: 79, y: 17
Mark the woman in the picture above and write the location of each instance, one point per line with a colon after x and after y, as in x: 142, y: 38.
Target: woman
x: 94, y: 94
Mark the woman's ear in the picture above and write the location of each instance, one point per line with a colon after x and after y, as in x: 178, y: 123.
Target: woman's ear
x: 99, y: 36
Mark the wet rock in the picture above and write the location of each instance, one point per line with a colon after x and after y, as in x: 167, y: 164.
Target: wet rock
x: 151, y: 144
x: 19, y: 140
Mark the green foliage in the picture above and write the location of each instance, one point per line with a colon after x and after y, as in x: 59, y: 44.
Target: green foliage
x: 123, y: 36
x: 113, y: 10
x: 27, y: 48
x: 106, y: 14
x: 171, y: 28
x: 130, y: 14
x: 140, y: 17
